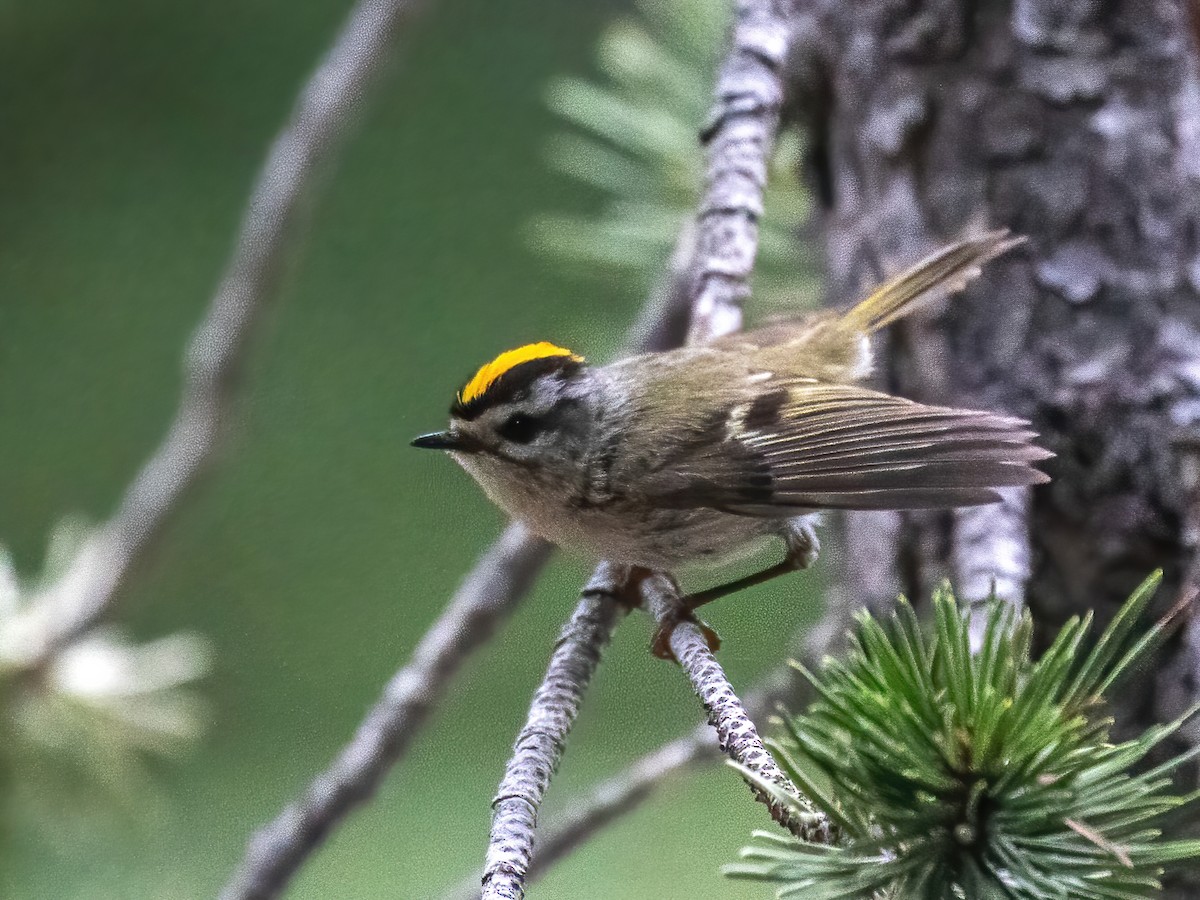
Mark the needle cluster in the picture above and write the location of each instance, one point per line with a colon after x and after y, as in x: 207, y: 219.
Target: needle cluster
x: 960, y: 774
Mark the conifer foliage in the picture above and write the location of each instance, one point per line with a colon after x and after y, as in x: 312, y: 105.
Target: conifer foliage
x: 961, y: 772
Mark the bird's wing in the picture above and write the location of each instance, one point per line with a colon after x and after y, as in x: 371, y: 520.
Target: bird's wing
x: 803, y: 445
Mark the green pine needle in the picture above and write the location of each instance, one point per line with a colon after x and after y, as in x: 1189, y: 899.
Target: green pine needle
x: 960, y: 772
x: 634, y: 138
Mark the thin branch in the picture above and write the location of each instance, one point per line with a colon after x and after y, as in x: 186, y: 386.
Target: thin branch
x: 740, y: 137
x: 736, y: 735
x: 608, y: 802
x: 611, y: 800
x: 486, y: 598
x: 622, y: 794
x: 991, y: 553
x: 540, y: 744
x: 278, y: 208
x: 615, y: 797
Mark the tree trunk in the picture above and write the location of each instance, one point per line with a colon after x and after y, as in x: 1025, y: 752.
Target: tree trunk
x: 1077, y: 124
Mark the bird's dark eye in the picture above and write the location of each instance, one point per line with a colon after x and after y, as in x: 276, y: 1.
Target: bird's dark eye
x: 520, y: 428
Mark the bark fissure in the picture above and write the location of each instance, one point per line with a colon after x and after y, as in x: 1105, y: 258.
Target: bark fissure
x: 1078, y: 126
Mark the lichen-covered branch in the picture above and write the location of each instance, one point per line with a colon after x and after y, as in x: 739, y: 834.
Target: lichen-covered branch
x: 736, y: 734
x: 621, y: 794
x: 617, y: 796
x: 609, y: 801
x: 740, y: 136
x: 540, y: 744
x: 278, y: 208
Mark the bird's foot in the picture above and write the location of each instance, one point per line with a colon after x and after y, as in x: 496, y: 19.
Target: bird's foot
x: 803, y: 545
x: 660, y: 644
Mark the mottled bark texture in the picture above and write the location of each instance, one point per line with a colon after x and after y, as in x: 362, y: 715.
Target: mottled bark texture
x: 737, y: 735
x: 540, y: 745
x: 1077, y: 124
x: 739, y: 137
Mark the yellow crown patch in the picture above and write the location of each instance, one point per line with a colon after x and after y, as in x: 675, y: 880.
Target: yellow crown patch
x: 489, y: 373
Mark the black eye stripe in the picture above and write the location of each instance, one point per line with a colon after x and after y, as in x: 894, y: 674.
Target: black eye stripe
x: 520, y: 428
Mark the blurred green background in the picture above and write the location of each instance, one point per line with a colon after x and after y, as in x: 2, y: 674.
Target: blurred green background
x: 319, y: 547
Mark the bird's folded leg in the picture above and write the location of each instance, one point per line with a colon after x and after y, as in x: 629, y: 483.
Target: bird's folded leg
x: 676, y: 614
x: 802, y: 550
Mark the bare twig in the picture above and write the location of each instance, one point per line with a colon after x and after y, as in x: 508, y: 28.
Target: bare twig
x: 736, y: 735
x: 277, y: 209
x: 623, y: 793
x: 615, y: 797
x: 540, y: 744
x: 587, y: 816
x: 991, y: 553
x: 487, y: 596
x: 609, y: 801
x: 740, y: 136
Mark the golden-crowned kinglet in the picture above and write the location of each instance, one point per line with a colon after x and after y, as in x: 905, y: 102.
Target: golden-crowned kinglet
x: 666, y: 459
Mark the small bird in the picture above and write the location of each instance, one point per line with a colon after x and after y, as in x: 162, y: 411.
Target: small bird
x: 700, y: 454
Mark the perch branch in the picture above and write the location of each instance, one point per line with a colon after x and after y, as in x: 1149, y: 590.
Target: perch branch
x: 540, y: 744
x: 278, y: 207
x: 991, y: 552
x: 615, y: 797
x: 739, y: 136
x: 736, y: 735
x: 620, y: 795
x: 609, y: 801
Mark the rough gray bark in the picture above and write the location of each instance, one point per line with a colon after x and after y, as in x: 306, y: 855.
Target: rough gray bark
x: 740, y: 137
x: 1077, y: 124
x: 737, y: 735
x: 539, y: 746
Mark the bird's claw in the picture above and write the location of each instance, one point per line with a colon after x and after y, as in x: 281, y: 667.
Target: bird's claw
x: 803, y: 545
x: 660, y: 644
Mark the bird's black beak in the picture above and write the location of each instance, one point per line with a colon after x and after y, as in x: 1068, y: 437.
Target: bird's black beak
x: 438, y: 440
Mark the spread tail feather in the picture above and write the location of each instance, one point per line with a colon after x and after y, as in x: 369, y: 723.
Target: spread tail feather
x: 947, y: 270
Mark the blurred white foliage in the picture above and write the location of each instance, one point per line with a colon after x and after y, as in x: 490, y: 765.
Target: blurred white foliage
x: 634, y: 140
x: 101, y: 703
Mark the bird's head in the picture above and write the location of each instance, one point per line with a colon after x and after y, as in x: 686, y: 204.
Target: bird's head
x: 524, y: 415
